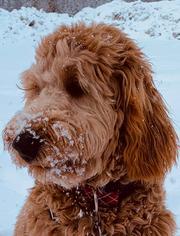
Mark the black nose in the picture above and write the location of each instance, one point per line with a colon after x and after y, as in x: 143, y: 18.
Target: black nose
x: 27, y: 144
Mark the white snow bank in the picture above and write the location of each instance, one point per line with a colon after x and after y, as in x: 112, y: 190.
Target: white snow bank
x: 139, y: 19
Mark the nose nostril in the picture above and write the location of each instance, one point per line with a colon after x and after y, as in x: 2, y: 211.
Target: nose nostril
x: 27, y: 145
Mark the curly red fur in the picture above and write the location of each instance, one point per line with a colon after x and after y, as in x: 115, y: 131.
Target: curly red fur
x: 91, y: 97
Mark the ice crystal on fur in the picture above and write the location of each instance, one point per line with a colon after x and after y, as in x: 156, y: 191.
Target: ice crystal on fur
x: 62, y: 132
x: 80, y: 214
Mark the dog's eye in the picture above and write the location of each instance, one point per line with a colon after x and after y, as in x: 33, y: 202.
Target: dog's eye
x: 73, y: 87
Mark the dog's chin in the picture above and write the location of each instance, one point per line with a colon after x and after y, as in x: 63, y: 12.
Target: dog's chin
x: 51, y: 175
x: 67, y: 180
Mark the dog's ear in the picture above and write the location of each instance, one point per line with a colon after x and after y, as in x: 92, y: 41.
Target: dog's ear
x: 147, y: 136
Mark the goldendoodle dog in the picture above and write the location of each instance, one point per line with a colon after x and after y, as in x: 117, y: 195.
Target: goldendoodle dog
x: 95, y: 135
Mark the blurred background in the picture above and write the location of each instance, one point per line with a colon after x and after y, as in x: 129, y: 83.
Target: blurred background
x: 62, y: 6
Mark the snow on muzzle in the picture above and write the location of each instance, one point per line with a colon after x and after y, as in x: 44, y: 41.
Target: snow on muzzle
x: 43, y: 140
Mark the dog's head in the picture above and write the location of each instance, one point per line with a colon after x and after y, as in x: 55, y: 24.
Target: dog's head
x: 91, y: 111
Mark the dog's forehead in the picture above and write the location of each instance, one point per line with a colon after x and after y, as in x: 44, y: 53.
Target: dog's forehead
x: 75, y: 40
x: 92, y: 51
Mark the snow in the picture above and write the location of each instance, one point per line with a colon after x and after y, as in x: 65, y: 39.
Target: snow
x: 152, y: 20
x: 155, y: 27
x: 62, y: 132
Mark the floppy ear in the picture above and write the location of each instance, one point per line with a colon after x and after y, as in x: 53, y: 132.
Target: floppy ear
x: 147, y: 136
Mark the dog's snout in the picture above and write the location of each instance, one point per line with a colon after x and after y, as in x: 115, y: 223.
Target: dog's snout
x: 27, y: 144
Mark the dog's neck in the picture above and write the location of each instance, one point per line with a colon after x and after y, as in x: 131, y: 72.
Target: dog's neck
x: 91, y: 200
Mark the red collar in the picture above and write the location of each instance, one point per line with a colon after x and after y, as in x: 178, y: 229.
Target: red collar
x: 105, y: 198
x: 110, y: 195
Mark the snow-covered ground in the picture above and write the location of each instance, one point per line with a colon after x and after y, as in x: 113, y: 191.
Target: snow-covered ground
x: 154, y: 26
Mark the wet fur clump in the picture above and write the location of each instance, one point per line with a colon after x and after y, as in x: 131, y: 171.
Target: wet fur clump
x: 91, y: 101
